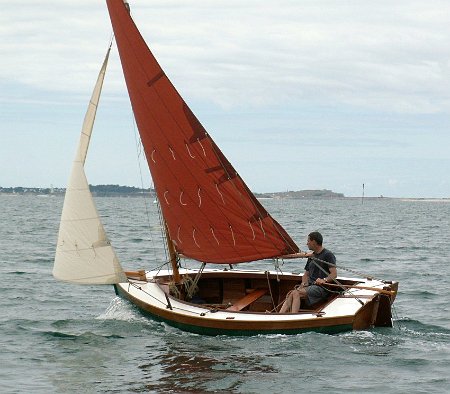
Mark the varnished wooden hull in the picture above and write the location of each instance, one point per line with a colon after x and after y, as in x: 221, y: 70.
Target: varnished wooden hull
x: 337, y: 315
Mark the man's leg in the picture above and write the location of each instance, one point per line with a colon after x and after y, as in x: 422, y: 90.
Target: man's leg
x: 287, y: 303
x: 296, y: 299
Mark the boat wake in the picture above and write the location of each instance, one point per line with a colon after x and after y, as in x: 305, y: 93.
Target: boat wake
x: 419, y: 329
x: 121, y: 310
x: 386, y: 341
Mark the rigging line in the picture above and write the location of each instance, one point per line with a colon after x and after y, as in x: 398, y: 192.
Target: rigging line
x: 111, y: 39
x: 349, y: 270
x: 159, y: 267
x: 345, y: 290
x: 162, y: 225
x: 276, y: 308
x: 276, y: 265
x: 138, y: 145
x: 163, y: 303
x: 270, y: 290
x: 167, y: 262
x: 141, y: 289
x: 194, y: 286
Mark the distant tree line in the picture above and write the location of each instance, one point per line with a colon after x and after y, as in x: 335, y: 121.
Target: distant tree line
x: 98, y: 190
x: 118, y: 190
x: 30, y: 190
x: 324, y: 193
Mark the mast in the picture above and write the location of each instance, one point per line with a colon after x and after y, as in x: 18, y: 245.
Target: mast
x: 173, y: 257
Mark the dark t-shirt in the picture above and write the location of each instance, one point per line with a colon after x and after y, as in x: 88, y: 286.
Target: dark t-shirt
x: 312, y: 265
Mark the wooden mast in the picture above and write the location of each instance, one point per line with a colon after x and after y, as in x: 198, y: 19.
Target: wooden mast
x: 173, y: 257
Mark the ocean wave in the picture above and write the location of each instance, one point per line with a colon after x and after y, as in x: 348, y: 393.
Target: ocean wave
x: 378, y: 342
x: 16, y: 273
x: 417, y: 328
x: 68, y: 329
x: 85, y: 337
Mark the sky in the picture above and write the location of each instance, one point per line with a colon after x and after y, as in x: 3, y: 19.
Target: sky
x: 298, y: 94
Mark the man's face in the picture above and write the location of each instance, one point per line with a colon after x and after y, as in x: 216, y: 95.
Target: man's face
x: 311, y: 244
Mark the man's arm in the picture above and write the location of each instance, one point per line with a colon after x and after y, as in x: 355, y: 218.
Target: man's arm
x: 331, y: 276
x: 305, y: 279
x: 298, y: 255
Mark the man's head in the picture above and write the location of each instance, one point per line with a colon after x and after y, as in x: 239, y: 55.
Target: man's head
x: 316, y: 236
x: 315, y: 240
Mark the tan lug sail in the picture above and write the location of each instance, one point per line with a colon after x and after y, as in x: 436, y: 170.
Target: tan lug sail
x: 84, y: 253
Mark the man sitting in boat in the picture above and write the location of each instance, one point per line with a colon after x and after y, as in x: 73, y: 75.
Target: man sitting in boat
x: 317, y: 273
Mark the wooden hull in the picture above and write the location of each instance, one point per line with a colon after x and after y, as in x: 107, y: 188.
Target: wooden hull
x: 355, y: 309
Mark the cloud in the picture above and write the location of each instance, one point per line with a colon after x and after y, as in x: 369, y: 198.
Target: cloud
x: 384, y: 56
x: 354, y: 89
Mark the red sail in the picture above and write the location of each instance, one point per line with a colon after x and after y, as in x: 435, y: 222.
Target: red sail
x: 211, y: 214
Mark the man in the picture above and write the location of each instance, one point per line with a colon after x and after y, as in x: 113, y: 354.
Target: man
x: 316, y: 274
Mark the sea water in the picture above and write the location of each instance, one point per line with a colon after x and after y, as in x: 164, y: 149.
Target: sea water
x: 62, y: 338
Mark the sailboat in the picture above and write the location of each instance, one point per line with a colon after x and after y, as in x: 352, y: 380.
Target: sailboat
x: 210, y: 217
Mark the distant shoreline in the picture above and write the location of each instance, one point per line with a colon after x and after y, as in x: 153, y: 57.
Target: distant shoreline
x: 130, y: 191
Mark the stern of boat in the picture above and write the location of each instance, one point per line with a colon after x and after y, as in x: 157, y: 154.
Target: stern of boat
x: 377, y: 312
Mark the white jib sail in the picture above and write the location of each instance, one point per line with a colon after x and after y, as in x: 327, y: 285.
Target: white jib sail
x: 84, y: 253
